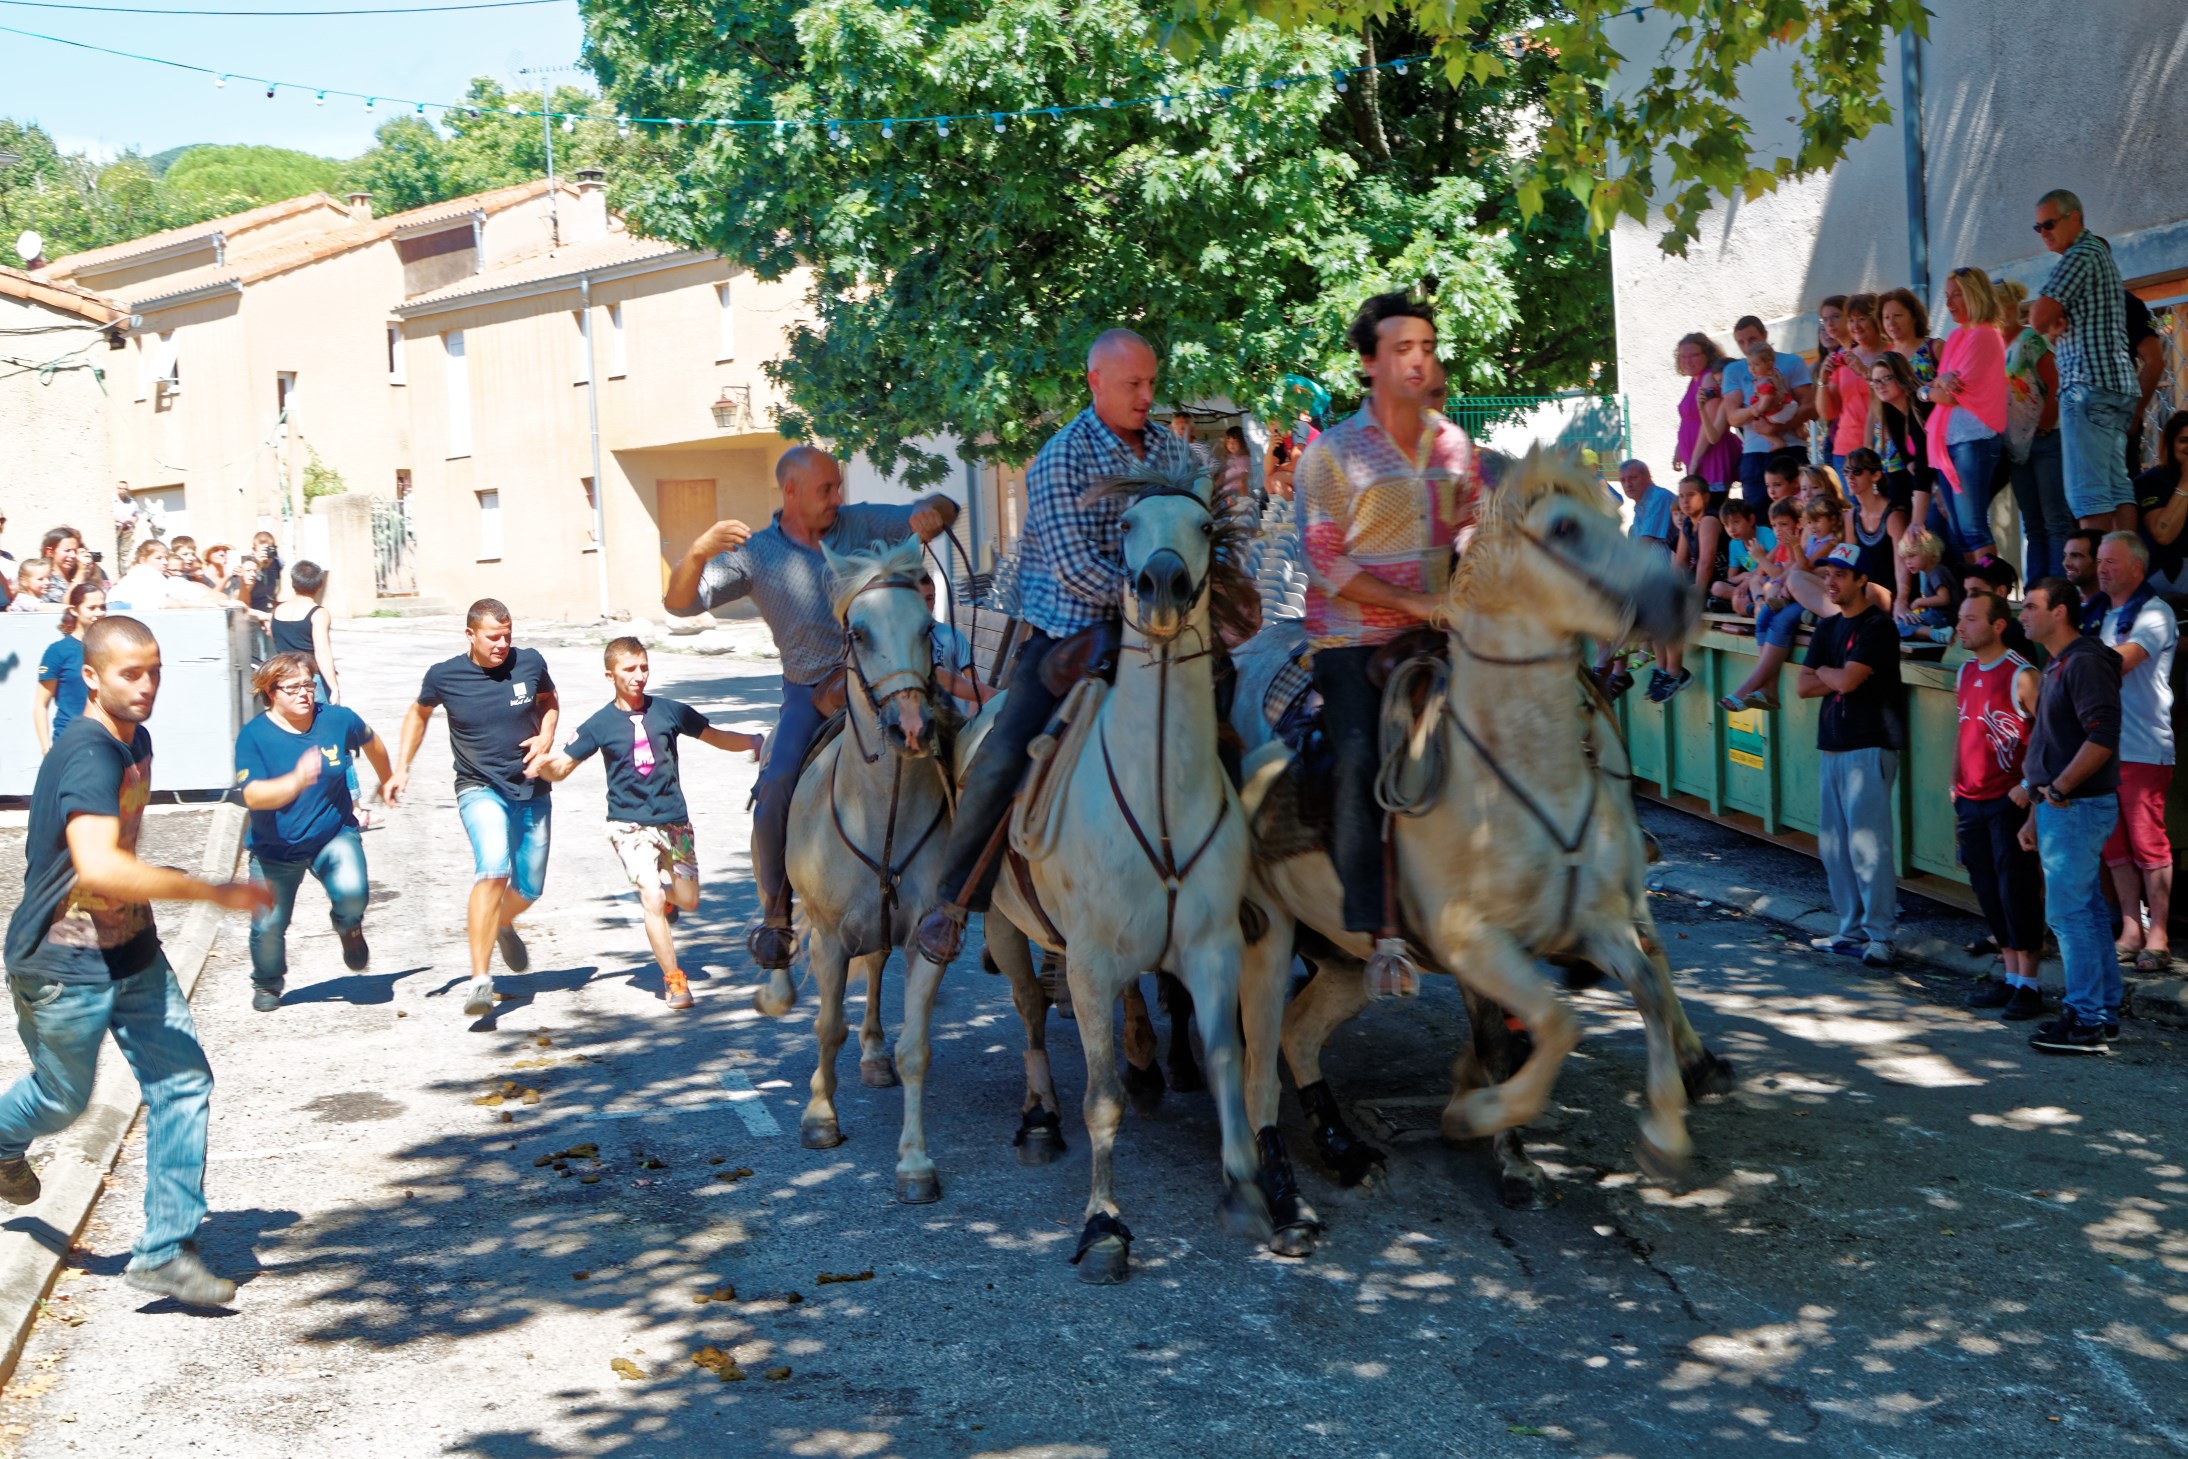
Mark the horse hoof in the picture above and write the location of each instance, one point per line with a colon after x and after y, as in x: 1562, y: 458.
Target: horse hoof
x: 1106, y: 1262
x: 1355, y: 1163
x: 918, y: 1187
x: 1526, y: 1192
x: 1144, y: 1087
x: 1657, y: 1163
x: 1709, y: 1075
x: 1244, y: 1211
x: 877, y: 1073
x: 1296, y: 1242
x: 769, y: 1002
x: 1040, y: 1137
x: 819, y: 1134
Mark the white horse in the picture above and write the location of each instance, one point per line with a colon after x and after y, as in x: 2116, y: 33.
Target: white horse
x: 1149, y: 871
x: 1524, y: 847
x: 870, y: 816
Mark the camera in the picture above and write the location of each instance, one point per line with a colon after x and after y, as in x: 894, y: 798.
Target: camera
x: 98, y: 557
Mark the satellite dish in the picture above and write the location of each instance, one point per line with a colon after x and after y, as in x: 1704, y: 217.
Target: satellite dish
x: 30, y: 247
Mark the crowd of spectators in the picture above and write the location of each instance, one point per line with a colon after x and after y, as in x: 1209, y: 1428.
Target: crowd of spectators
x: 1849, y: 493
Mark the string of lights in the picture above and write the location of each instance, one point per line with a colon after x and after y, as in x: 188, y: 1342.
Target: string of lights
x: 838, y: 128
x: 272, y: 14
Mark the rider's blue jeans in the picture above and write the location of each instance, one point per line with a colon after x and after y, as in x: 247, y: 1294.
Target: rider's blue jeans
x: 997, y: 767
x: 1352, y: 712
x: 771, y: 793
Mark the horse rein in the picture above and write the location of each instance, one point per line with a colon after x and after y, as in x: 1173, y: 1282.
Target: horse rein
x: 876, y: 693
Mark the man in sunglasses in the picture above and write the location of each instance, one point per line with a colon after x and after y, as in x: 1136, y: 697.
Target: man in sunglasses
x: 2082, y: 308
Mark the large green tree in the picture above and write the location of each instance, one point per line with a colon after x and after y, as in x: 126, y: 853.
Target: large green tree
x: 73, y: 202
x: 413, y: 162
x: 1631, y: 112
x: 959, y: 276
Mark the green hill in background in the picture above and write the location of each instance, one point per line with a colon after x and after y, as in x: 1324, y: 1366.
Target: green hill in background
x: 253, y: 175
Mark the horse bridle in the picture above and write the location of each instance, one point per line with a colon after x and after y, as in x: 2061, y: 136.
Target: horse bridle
x: 889, y: 870
x: 878, y: 693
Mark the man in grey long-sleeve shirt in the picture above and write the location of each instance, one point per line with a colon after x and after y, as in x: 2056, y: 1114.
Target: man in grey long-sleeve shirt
x: 2071, y: 775
x: 781, y: 569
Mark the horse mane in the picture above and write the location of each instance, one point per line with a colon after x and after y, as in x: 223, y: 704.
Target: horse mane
x: 900, y: 565
x: 1235, y: 524
x: 1543, y: 472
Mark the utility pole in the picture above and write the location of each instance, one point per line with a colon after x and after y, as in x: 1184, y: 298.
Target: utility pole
x: 547, y: 136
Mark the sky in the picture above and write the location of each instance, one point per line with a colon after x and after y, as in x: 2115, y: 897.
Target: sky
x: 105, y: 104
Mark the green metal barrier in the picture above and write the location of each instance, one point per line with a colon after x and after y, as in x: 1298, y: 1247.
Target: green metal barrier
x: 1760, y: 771
x: 1594, y: 425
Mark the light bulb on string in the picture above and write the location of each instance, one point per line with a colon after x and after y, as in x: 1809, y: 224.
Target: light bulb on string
x: 421, y: 108
x: 942, y: 128
x: 322, y: 99
x: 998, y: 121
x: 1401, y: 68
x: 1340, y: 80
x: 220, y: 82
x: 569, y: 124
x: 888, y: 130
x: 371, y: 99
x: 623, y: 126
x: 269, y: 93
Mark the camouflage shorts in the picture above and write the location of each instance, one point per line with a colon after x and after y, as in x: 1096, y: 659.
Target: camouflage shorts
x: 653, y: 854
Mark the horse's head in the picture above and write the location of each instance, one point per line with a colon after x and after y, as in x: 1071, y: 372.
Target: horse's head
x: 888, y: 653
x: 1550, y: 547
x: 1171, y: 537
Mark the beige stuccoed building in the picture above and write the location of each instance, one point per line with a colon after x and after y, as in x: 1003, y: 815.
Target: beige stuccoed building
x: 55, y: 344
x: 614, y: 370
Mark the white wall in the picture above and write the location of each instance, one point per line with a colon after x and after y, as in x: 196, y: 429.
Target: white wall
x: 55, y: 465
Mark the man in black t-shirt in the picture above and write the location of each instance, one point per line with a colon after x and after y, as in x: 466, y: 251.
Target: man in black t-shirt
x: 648, y: 823
x: 83, y: 957
x: 1853, y: 667
x: 502, y: 709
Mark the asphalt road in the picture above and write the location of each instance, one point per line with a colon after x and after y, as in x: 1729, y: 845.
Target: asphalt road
x: 1904, y: 1234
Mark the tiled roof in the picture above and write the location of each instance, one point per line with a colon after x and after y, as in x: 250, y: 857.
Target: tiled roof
x: 56, y: 295
x: 251, y: 266
x: 560, y: 263
x: 93, y: 259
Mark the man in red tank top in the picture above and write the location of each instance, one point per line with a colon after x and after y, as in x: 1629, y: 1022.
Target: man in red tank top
x: 1997, y: 696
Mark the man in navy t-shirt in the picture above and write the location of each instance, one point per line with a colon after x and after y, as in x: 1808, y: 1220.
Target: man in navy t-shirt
x: 293, y: 767
x: 648, y: 823
x: 502, y: 708
x: 83, y: 957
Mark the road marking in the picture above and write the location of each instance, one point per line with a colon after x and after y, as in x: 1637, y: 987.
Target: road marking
x: 750, y: 1107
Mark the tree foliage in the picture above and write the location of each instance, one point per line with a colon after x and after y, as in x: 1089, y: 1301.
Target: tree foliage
x: 960, y: 277
x: 73, y: 202
x: 1668, y: 125
x: 253, y: 175
x: 413, y: 163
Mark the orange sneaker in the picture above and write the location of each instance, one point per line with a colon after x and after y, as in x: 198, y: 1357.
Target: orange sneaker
x: 676, y: 988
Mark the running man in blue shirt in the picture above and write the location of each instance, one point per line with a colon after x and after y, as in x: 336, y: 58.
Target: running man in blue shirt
x: 294, y: 768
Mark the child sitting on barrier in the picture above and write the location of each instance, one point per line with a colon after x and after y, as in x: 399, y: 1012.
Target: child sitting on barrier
x: 1928, y: 614
x: 1747, y: 548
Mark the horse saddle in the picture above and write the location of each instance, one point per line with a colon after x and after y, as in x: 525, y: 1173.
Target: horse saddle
x: 831, y: 692
x: 1091, y: 653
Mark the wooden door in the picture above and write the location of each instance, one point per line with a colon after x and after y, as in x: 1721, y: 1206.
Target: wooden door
x: 684, y: 509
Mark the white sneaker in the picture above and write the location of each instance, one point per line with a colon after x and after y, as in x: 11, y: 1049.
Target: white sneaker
x: 1838, y: 943
x: 481, y: 1001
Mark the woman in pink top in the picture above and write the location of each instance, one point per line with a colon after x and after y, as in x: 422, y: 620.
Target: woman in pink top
x: 1969, y: 413
x: 1708, y: 448
x: 1842, y: 382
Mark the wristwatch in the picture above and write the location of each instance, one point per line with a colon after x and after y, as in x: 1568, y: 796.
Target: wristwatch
x: 2055, y: 795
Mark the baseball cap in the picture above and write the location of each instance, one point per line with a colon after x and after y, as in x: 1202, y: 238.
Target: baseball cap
x: 1845, y: 555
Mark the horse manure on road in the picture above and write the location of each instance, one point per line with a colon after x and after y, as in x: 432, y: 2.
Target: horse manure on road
x: 733, y: 1176
x: 723, y: 1293
x: 627, y: 1370
x: 827, y: 1279
x: 720, y: 1364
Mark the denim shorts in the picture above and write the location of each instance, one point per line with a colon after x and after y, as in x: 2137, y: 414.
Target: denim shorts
x: 2093, y: 440
x: 508, y: 837
x: 1777, y: 623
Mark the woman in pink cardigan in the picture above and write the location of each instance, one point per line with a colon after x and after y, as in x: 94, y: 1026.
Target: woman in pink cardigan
x: 1968, y: 416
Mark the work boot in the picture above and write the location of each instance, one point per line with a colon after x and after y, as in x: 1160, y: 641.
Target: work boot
x: 19, y: 1184
x: 355, y: 954
x: 184, y: 1277
x: 772, y: 945
x: 940, y: 934
x: 266, y: 997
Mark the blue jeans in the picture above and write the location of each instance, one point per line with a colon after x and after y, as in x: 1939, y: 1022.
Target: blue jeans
x: 2039, y: 490
x: 2070, y: 839
x: 509, y: 837
x: 1961, y: 514
x: 61, y: 1025
x: 2093, y: 442
x: 795, y: 727
x: 1777, y: 622
x: 1752, y: 489
x: 1854, y: 840
x: 340, y: 867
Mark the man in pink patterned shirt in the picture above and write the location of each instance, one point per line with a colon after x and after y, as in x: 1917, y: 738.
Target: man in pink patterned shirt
x: 1383, y: 499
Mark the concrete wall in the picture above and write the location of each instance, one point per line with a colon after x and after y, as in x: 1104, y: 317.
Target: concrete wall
x: 2012, y: 108
x: 55, y: 466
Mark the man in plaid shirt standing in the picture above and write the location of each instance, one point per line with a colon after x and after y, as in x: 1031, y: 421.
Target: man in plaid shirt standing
x: 1383, y: 498
x: 2083, y: 308
x: 1070, y: 578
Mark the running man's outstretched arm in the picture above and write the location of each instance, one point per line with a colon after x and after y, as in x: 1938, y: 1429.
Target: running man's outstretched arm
x: 413, y: 735
x: 542, y: 741
x: 106, y: 868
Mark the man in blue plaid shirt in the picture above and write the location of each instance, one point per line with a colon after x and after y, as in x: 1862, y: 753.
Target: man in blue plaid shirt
x: 2083, y: 308
x: 1070, y: 578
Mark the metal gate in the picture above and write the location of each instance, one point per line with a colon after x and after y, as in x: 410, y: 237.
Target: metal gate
x: 1593, y: 425
x: 393, y: 574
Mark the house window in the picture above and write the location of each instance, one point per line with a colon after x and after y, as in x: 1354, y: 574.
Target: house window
x: 395, y: 371
x: 168, y: 509
x: 489, y: 526
x: 284, y: 400
x: 727, y: 349
x: 584, y: 348
x: 592, y: 515
x: 618, y: 352
x: 459, y: 400
x: 144, y: 366
x: 167, y: 364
